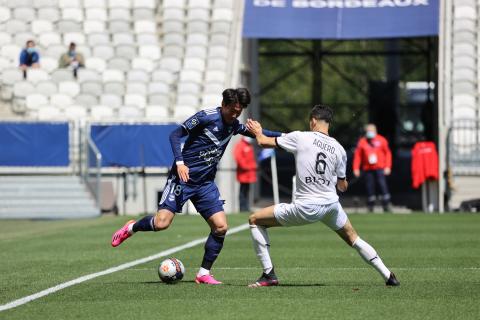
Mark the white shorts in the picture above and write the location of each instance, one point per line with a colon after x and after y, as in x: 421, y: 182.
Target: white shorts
x: 297, y: 214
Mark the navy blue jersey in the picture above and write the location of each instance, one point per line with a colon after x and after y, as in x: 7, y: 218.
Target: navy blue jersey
x: 208, y: 137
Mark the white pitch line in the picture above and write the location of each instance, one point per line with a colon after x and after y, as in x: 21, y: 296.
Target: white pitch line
x: 124, y: 266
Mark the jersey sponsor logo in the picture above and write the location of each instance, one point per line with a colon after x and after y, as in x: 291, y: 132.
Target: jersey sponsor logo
x: 211, y: 156
x: 192, y: 123
x: 318, y: 180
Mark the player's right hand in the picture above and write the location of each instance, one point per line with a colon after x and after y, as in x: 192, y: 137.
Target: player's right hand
x: 254, y: 127
x: 356, y: 173
x: 182, y: 171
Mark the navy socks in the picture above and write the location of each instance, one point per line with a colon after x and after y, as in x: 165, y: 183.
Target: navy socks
x: 144, y: 224
x: 213, y: 246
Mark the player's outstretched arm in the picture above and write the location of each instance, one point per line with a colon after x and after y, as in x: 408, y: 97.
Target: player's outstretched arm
x: 256, y: 129
x: 175, y: 143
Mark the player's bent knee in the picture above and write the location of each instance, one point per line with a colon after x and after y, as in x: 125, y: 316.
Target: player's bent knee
x: 221, y: 229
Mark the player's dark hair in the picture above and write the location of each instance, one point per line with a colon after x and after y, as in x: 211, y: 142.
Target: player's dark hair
x: 239, y: 95
x: 322, y: 112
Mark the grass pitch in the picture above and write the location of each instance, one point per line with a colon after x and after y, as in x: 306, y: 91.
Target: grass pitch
x: 435, y: 257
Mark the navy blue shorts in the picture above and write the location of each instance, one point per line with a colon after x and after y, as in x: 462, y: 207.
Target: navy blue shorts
x: 205, y: 197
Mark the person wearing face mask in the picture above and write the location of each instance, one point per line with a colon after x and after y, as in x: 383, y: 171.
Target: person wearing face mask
x: 373, y: 156
x: 29, y: 57
x: 72, y: 59
x: 246, y: 170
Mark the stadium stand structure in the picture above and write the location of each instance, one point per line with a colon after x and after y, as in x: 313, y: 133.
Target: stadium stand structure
x: 459, y: 117
x: 146, y: 55
x: 146, y: 61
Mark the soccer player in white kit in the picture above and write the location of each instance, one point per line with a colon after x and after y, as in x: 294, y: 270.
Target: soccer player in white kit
x: 320, y: 168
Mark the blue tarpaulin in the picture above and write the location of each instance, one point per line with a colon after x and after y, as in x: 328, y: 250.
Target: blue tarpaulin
x: 134, y: 145
x: 34, y: 144
x: 340, y: 19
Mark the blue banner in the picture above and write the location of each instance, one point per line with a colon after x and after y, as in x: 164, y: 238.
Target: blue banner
x: 340, y: 19
x: 135, y: 145
x: 34, y: 144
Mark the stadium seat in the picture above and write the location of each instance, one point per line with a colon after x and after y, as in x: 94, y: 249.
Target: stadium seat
x: 10, y: 51
x: 136, y: 88
x: 123, y: 38
x: 93, y: 26
x: 87, y: 75
x: 94, y: 88
x: 197, y: 26
x: 149, y: 52
x: 143, y: 14
x: 5, y: 38
x: 464, y: 12
x: 219, y: 39
x: 213, y: 88
x: 60, y: 100
x: 163, y: 76
x: 175, y: 14
x: 38, y: 4
x: 223, y: 4
x: 192, y: 63
x: 40, y: 26
x: 119, y: 4
x: 15, y: 26
x: 158, y: 87
x: 200, y: 14
x: 119, y: 14
x: 34, y: 100
x: 119, y: 64
x: 55, y: 51
x: 224, y: 27
x: 217, y: 64
x: 173, y: 4
x: 151, y: 4
x: 147, y: 38
x: 222, y: 14
x: 21, y: 38
x: 187, y: 100
x: 60, y: 75
x: 69, y: 26
x: 188, y: 88
x: 143, y: 64
x: 171, y: 64
x: 4, y: 14
x: 145, y: 26
x: 138, y: 75
x: 215, y: 76
x: 104, y: 52
x: 158, y: 99
x: 111, y: 100
x: 197, y: 39
x: 113, y: 75
x: 98, y: 38
x: 98, y: 14
x: 77, y: 37
x: 100, y: 112
x: 48, y: 64
x: 48, y: 13
x: 212, y: 100
x: 75, y: 112
x: 69, y: 3
x: 95, y: 63
x: 204, y: 4
x: 126, y: 51
x: 129, y: 112
x: 23, y: 88
x: 156, y: 112
x: 86, y: 100
x: 180, y: 112
x: 464, y: 101
x: 47, y: 88
x: 119, y: 26
x: 196, y: 52
x: 26, y: 14
x: 114, y: 87
x: 173, y: 50
x: 11, y: 76
x: 37, y: 75
x: 5, y: 63
x: 94, y: 4
x: 191, y: 76
x: 218, y: 52
x: 172, y: 27
x: 47, y: 112
x: 137, y: 100
x: 49, y: 38
x: 71, y: 88
x: 75, y: 14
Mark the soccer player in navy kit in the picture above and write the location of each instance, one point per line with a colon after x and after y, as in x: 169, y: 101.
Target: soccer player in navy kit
x: 192, y: 175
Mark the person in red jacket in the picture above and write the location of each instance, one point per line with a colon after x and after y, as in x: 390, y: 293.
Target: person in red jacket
x: 374, y: 158
x: 246, y: 170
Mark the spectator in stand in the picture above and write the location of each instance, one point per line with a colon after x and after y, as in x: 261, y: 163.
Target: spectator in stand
x: 374, y: 157
x: 72, y: 59
x: 246, y: 170
x: 29, y: 57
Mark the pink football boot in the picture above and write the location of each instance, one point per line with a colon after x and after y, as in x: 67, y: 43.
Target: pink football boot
x: 122, y: 234
x: 207, y: 279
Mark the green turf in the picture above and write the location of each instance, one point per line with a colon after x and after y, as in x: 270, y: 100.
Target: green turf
x: 436, y: 258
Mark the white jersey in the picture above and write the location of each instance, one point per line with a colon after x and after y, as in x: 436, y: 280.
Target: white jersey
x: 320, y: 161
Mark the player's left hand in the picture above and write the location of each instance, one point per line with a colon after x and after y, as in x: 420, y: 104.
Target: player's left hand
x: 387, y: 171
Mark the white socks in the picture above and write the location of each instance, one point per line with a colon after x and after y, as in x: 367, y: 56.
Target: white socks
x: 203, y: 272
x: 370, y: 256
x: 261, y: 244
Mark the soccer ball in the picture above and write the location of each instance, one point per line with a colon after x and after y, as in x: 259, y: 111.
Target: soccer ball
x: 171, y: 270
